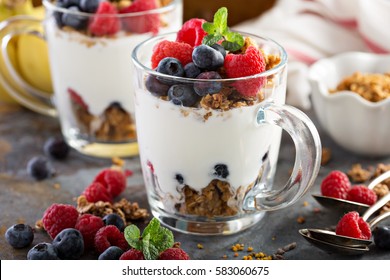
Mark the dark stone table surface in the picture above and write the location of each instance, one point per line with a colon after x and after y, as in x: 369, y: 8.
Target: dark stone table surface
x: 22, y: 199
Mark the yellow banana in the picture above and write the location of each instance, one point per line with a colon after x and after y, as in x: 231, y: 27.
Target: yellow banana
x: 28, y: 53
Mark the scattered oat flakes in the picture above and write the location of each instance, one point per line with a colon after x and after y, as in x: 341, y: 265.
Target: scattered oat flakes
x: 57, y: 186
x: 300, y: 220
x: 236, y: 254
x: 326, y: 156
x: 39, y: 224
x: 305, y: 204
x: 118, y: 161
x: 200, y: 246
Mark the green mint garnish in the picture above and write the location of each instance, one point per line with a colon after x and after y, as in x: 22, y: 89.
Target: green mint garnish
x: 154, y: 239
x: 218, y: 30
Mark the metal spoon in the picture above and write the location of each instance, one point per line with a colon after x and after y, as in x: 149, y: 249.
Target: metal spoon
x: 344, y: 205
x: 331, y: 241
x: 329, y: 246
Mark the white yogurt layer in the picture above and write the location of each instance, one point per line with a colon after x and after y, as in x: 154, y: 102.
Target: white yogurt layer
x: 99, y: 69
x: 178, y: 143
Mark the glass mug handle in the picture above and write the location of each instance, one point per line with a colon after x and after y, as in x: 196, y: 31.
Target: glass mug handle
x: 307, y: 160
x: 24, y: 93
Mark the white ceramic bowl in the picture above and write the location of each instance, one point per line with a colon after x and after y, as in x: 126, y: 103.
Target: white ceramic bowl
x: 356, y: 124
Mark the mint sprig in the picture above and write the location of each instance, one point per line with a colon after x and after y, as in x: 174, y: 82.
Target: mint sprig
x: 154, y: 239
x: 218, y: 30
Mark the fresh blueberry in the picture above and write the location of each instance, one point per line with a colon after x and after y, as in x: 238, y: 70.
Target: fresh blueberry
x: 155, y: 87
x: 191, y: 70
x: 42, y: 251
x: 56, y: 147
x: 221, y: 170
x: 183, y: 95
x: 69, y: 244
x: 382, y: 237
x: 58, y: 15
x: 205, y: 57
x: 169, y: 66
x: 40, y: 168
x: 179, y: 178
x: 114, y: 219
x: 76, y: 21
x: 202, y: 88
x: 69, y: 3
x: 111, y: 253
x: 19, y: 235
x: 219, y: 48
x: 89, y: 6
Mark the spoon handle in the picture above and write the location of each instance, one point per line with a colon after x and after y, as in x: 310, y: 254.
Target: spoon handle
x: 378, y: 219
x: 378, y: 205
x: 379, y: 179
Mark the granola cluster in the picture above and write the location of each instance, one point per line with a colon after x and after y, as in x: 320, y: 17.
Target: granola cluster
x: 128, y: 211
x: 371, y: 86
x: 115, y: 124
x: 359, y: 175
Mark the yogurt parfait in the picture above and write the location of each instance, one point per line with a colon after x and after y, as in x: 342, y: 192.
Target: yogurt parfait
x: 200, y: 99
x: 90, y: 42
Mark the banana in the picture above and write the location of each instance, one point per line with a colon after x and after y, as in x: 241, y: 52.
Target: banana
x: 27, y: 53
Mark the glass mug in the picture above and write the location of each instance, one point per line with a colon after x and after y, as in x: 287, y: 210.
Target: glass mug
x: 91, y: 72
x: 211, y: 171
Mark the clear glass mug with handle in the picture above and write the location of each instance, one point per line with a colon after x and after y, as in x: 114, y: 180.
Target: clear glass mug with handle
x: 209, y: 161
x: 90, y: 66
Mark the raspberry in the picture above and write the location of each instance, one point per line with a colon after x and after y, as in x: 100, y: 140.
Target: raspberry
x: 105, y: 22
x: 352, y: 225
x: 336, y: 184
x: 192, y: 32
x: 132, y: 254
x: 113, y: 180
x: 109, y: 236
x: 58, y: 217
x: 362, y: 194
x: 88, y: 225
x: 97, y: 192
x: 174, y: 254
x: 242, y: 65
x: 180, y: 51
x: 76, y: 98
x: 143, y: 23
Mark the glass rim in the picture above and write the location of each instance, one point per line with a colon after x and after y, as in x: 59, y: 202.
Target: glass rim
x: 48, y: 4
x: 274, y: 70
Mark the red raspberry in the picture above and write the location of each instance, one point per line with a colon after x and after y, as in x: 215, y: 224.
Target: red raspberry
x: 352, y: 225
x: 97, y: 192
x: 174, y: 254
x: 180, y: 51
x: 144, y: 23
x: 88, y: 225
x: 192, y: 32
x: 132, y: 254
x: 336, y: 184
x: 76, y: 98
x: 58, y: 217
x: 113, y: 180
x: 105, y: 21
x: 362, y: 194
x: 109, y: 236
x: 242, y: 65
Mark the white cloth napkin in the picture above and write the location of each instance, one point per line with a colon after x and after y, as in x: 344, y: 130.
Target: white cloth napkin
x: 308, y: 30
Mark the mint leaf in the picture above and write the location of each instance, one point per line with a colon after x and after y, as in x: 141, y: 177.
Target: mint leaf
x: 133, y: 236
x: 152, y: 228
x: 163, y: 240
x: 219, y: 31
x: 148, y: 249
x: 220, y: 20
x: 209, y: 28
x: 210, y: 40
